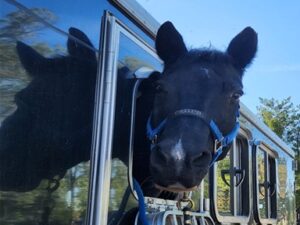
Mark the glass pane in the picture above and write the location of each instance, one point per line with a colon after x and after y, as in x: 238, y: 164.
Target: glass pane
x: 223, y: 188
x: 286, y: 196
x: 206, y: 186
x: 282, y: 188
x: 131, y: 56
x: 272, y: 188
x: 242, y: 178
x: 261, y: 176
x: 46, y: 111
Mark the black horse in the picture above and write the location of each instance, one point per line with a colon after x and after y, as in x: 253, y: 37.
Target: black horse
x: 196, y: 87
x: 51, y: 129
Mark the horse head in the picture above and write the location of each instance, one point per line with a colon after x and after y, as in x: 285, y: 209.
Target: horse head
x: 198, y: 89
x: 52, y: 125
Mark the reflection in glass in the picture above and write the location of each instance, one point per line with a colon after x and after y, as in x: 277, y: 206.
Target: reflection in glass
x: 131, y: 56
x: 223, y: 190
x: 43, y: 176
x: 241, y: 193
x: 286, y: 197
x: 261, y: 181
x: 266, y: 178
x: 233, y: 181
x: 134, y: 57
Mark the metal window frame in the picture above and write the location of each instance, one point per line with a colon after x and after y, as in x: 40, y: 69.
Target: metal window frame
x: 104, y: 115
x: 268, y: 154
x: 103, y: 125
x: 234, y: 218
x: 139, y: 14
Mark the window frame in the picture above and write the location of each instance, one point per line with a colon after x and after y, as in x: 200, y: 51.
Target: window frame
x: 240, y: 219
x: 271, y: 201
x: 105, y: 104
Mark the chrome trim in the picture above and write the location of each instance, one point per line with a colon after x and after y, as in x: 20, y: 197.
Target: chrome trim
x: 131, y: 142
x: 245, y: 112
x: 102, y: 145
x: 93, y: 202
x: 139, y: 14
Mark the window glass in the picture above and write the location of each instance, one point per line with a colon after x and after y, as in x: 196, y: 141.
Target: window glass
x: 223, y: 193
x: 233, y: 181
x: 47, y: 84
x: 261, y: 179
x: 131, y: 56
x: 242, y: 177
x: 286, y: 196
x: 266, y: 185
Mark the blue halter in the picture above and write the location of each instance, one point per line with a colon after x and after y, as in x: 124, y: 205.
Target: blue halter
x: 221, y: 141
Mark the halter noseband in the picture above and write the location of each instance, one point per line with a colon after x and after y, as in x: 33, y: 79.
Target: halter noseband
x: 221, y: 141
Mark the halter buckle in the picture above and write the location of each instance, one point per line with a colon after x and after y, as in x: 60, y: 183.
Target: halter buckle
x: 218, y: 144
x: 154, y: 140
x: 185, y: 202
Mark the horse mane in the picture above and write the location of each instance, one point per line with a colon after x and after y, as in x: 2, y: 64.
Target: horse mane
x: 210, y: 55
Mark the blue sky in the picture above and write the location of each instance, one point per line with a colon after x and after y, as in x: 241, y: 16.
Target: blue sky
x: 275, y: 71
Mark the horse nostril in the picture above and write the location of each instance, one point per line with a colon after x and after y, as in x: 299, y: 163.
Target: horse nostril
x: 159, y: 155
x: 200, y: 159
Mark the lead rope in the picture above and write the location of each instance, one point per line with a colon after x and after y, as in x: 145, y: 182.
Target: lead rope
x: 141, y: 200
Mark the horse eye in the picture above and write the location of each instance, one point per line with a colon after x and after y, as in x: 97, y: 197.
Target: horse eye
x: 236, y: 95
x: 159, y: 88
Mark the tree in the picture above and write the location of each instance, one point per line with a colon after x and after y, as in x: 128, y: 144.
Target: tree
x: 283, y: 117
x: 18, y: 25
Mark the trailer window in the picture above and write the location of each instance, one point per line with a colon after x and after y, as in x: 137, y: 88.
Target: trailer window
x: 286, y: 190
x: 232, y: 185
x: 131, y: 54
x: 46, y: 113
x: 265, y: 185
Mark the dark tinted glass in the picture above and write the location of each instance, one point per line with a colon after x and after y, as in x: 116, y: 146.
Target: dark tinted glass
x: 47, y: 83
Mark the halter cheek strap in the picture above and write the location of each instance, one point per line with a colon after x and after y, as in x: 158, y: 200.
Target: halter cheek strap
x: 221, y: 141
x: 151, y: 133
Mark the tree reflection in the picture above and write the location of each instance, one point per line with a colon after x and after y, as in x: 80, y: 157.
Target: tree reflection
x: 68, y: 203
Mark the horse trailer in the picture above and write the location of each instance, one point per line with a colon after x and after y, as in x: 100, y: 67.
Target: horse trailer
x: 72, y: 76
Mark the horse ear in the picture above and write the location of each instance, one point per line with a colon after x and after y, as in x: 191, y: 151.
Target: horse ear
x: 242, y: 48
x: 77, y: 49
x: 169, y: 43
x: 31, y: 60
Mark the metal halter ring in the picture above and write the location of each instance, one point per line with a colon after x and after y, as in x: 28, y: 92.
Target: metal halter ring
x: 218, y: 144
x: 190, y: 203
x: 154, y: 140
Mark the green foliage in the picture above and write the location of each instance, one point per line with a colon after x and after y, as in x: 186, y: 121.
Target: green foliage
x: 283, y: 117
x: 19, y: 24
